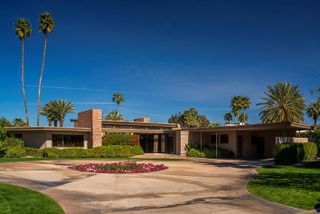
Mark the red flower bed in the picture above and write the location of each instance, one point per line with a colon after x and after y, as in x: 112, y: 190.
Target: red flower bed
x: 120, y: 167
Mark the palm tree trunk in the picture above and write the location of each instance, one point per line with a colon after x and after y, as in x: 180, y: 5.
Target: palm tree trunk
x: 50, y: 123
x: 40, y: 79
x: 22, y: 83
x: 55, y: 123
x: 61, y: 122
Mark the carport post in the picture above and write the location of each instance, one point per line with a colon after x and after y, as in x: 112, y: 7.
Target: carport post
x: 216, y: 144
x: 200, y: 140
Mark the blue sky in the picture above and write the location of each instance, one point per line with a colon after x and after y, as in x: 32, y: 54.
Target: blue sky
x: 165, y: 56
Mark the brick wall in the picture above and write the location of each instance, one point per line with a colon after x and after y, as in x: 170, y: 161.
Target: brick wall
x: 182, y: 139
x: 92, y: 119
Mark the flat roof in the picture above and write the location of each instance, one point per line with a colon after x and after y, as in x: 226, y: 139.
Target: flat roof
x: 255, y: 127
x: 135, y: 123
x: 47, y: 128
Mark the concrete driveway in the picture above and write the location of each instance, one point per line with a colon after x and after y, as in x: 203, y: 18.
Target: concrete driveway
x: 213, y: 186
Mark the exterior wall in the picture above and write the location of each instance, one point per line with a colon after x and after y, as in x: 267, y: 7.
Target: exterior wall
x: 43, y: 139
x: 182, y: 139
x: 92, y: 119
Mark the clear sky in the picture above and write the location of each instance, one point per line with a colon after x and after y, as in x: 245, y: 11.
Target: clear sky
x: 164, y: 55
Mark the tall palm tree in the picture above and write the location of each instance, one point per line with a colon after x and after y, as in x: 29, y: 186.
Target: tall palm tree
x: 46, y: 26
x: 56, y: 110
x: 313, y: 111
x: 118, y: 98
x: 61, y: 108
x: 228, y: 117
x: 283, y: 103
x: 48, y: 111
x: 113, y: 115
x: 239, y: 104
x: 23, y: 30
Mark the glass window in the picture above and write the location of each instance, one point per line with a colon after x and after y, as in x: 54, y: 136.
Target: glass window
x: 224, y: 138
x: 67, y: 140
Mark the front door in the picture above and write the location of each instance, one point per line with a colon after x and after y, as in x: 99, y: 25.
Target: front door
x: 240, y: 146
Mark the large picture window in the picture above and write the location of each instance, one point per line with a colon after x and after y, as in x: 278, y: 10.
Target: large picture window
x: 67, y: 140
x: 224, y: 138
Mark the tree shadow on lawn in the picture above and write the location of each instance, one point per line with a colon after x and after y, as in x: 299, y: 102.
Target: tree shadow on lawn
x: 303, y: 180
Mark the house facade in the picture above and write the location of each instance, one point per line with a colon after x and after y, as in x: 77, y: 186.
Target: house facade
x: 89, y: 129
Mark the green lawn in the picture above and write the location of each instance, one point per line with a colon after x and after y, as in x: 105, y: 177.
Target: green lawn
x: 14, y: 199
x: 289, y: 185
x: 5, y: 160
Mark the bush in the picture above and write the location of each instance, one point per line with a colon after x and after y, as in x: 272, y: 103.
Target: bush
x: 33, y: 152
x: 15, y: 152
x: 8, y: 143
x: 113, y: 151
x: 118, y: 139
x: 222, y: 153
x: 286, y: 154
x: 110, y: 151
x: 195, y: 153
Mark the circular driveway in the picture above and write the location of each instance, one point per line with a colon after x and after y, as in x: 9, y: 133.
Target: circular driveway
x: 207, y: 186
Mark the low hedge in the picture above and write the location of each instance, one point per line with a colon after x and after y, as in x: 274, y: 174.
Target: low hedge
x: 111, y: 151
x: 195, y: 153
x: 286, y: 154
x: 118, y: 139
x: 209, y: 153
x: 15, y: 152
x: 34, y: 152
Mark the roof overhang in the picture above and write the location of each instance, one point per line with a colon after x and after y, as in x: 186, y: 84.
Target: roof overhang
x: 46, y: 129
x: 255, y: 127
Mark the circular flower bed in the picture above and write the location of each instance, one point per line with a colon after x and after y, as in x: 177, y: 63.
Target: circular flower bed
x: 120, y: 167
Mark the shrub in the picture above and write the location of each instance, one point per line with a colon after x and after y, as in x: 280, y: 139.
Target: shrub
x: 33, y: 152
x: 8, y: 143
x: 15, y: 152
x: 118, y: 139
x: 195, y: 153
x: 51, y: 153
x: 113, y: 151
x: 286, y: 154
x: 110, y: 151
x: 222, y: 153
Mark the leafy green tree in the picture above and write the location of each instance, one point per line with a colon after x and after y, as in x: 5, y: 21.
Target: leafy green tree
x: 190, y: 118
x: 239, y: 104
x: 228, y: 117
x: 23, y: 30
x: 118, y: 98
x: 46, y: 26
x: 4, y: 122
x: 283, y: 103
x: 113, y: 115
x: 18, y: 122
x: 313, y: 111
x: 56, y: 110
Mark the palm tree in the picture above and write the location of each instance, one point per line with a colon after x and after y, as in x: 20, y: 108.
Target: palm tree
x: 118, y: 98
x: 239, y: 104
x: 113, y: 115
x: 228, y: 117
x: 283, y: 103
x: 23, y: 30
x: 313, y: 111
x: 56, y: 110
x: 46, y: 27
x: 48, y: 111
x: 18, y: 122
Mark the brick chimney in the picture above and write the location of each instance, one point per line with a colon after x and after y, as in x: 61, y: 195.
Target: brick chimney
x: 92, y: 119
x: 142, y: 120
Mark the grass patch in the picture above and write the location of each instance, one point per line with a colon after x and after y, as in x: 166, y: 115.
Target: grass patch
x: 7, y: 160
x: 14, y: 199
x: 293, y: 186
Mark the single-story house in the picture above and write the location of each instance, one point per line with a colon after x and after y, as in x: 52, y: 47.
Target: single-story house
x: 256, y: 140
